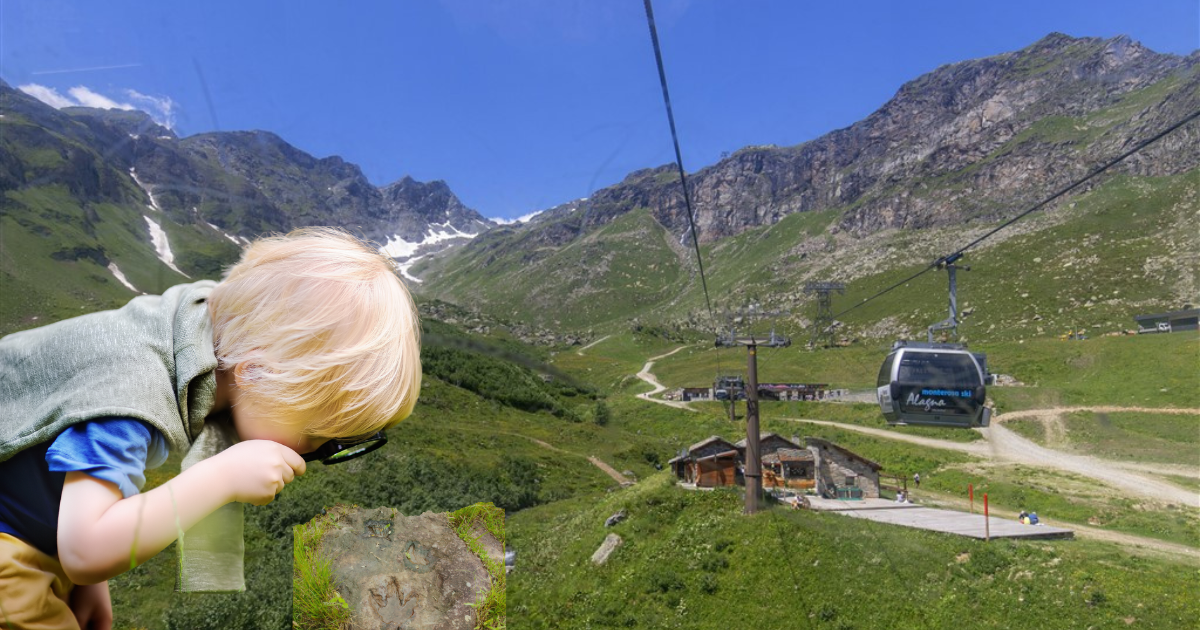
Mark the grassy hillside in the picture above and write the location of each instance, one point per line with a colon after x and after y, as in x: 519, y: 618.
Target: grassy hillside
x: 1157, y: 370
x: 618, y: 270
x: 691, y: 559
x: 1109, y: 371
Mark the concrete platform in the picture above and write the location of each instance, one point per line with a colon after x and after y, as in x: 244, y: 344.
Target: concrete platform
x: 836, y: 505
x: 951, y: 522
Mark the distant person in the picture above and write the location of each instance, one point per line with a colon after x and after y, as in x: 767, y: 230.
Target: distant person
x: 310, y: 338
x: 1033, y: 518
x: 1022, y: 515
x: 917, y: 479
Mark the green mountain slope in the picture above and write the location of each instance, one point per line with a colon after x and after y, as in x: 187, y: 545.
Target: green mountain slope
x: 691, y: 559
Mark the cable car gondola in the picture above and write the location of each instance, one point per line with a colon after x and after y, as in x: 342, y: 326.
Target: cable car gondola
x: 936, y: 384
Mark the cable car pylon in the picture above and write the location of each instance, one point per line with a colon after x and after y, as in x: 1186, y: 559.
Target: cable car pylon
x: 753, y: 467
x: 950, y: 323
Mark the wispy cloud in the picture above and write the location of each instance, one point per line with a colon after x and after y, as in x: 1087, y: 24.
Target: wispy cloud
x: 88, y: 98
x: 161, y: 108
x: 49, y: 96
x: 521, y: 219
x: 88, y: 69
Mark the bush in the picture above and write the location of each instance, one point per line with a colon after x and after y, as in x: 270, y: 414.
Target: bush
x: 601, y: 415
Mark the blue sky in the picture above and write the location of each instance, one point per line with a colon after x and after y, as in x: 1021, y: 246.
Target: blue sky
x: 523, y: 104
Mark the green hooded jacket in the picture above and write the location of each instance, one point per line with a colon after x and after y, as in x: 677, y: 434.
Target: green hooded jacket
x: 151, y: 360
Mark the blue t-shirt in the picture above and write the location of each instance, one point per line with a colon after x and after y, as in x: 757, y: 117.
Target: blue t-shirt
x: 118, y: 450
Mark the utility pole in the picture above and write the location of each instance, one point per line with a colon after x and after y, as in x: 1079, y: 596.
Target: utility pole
x: 950, y: 323
x: 823, y: 322
x: 753, y: 473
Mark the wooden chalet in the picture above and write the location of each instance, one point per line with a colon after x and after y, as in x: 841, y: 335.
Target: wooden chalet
x: 785, y: 463
x: 831, y: 470
x: 792, y: 391
x: 709, y: 463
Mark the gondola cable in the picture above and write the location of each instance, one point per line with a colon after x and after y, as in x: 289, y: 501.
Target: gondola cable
x: 687, y: 200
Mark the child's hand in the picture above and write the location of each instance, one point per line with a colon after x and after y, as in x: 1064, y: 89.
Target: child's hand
x: 256, y: 470
x: 92, y: 606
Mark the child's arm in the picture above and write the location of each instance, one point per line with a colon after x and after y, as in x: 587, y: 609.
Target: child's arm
x: 97, y: 528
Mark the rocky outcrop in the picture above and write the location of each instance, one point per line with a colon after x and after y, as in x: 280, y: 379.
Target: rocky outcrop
x: 398, y: 571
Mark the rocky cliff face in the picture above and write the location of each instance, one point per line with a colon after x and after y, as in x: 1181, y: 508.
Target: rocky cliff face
x: 979, y: 139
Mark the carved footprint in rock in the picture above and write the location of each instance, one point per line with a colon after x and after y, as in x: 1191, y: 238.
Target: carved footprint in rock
x: 393, y: 606
x: 378, y: 529
x: 417, y: 557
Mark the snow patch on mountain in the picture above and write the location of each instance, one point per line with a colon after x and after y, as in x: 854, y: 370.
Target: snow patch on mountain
x: 116, y: 272
x: 162, y: 246
x: 406, y: 265
x: 397, y: 247
x: 224, y: 233
x: 153, y: 202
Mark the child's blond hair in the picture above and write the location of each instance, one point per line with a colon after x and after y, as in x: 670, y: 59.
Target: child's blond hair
x: 327, y: 331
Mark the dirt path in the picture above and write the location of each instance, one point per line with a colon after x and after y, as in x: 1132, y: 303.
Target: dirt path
x: 596, y: 461
x: 1056, y: 433
x: 580, y: 351
x: 1040, y: 413
x: 612, y: 472
x: 646, y: 376
x: 1003, y: 445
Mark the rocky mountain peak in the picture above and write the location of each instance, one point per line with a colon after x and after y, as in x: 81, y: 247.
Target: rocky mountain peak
x: 990, y: 125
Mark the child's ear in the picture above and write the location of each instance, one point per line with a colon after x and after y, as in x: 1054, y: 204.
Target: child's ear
x: 244, y: 374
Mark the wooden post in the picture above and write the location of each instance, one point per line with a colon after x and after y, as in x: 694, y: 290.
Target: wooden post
x: 971, y: 493
x: 987, y: 527
x: 753, y: 463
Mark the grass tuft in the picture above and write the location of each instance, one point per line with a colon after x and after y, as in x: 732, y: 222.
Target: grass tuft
x: 316, y: 604
x: 490, y: 608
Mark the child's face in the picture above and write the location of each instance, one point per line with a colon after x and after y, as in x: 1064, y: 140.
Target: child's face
x: 252, y: 424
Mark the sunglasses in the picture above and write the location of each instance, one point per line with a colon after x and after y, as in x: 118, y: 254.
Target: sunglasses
x: 338, y: 451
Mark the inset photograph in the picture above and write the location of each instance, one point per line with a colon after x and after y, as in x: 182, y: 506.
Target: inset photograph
x: 376, y: 569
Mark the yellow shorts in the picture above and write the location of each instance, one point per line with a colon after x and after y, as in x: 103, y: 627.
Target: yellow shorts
x: 34, y: 591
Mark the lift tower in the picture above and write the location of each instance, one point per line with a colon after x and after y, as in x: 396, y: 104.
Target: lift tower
x: 950, y: 323
x: 753, y: 474
x: 823, y: 323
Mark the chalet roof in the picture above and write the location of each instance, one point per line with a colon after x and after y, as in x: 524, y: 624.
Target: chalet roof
x: 711, y: 440
x: 721, y: 455
x: 788, y: 455
x: 763, y: 437
x: 811, y: 441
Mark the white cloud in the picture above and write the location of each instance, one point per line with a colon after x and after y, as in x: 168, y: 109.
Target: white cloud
x: 160, y: 108
x: 88, y: 98
x: 49, y: 96
x: 521, y: 219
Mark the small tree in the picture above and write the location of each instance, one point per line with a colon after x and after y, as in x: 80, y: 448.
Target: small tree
x: 601, y: 415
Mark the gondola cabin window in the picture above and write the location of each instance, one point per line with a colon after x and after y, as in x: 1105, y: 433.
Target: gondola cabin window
x: 945, y: 370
